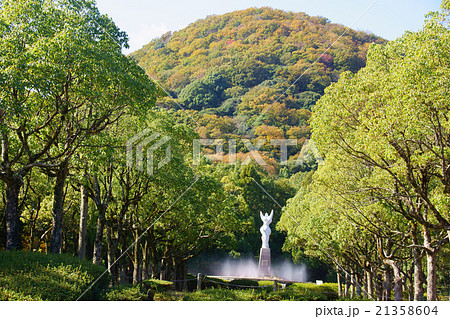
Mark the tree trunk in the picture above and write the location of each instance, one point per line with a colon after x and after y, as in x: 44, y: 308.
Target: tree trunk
x: 179, y: 269
x: 112, y: 248
x: 12, y: 214
x: 418, y: 275
x: 379, y: 287
x: 58, y: 208
x: 431, y: 266
x: 122, y: 276
x: 347, y: 284
x: 97, y: 257
x: 398, y: 286
x: 398, y: 282
x: 352, y: 284
x: 365, y: 280
x: 369, y: 283
x: 185, y: 284
x: 83, y: 223
x: 339, y: 282
x: 145, y: 261
x: 387, y: 284
x: 136, y: 272
x: 154, y: 254
x: 431, y: 276
x: 162, y: 273
x: 154, y: 262
x: 136, y: 269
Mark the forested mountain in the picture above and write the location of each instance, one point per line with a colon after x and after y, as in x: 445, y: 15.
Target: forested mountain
x: 253, y: 73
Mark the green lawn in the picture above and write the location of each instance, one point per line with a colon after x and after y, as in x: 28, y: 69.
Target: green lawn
x: 297, y: 292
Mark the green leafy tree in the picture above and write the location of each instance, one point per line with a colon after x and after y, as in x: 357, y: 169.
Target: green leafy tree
x: 64, y: 78
x: 391, y: 117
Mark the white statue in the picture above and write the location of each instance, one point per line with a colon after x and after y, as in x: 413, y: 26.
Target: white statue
x: 265, y: 229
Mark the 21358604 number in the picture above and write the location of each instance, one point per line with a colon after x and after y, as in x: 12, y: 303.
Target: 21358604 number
x: 406, y: 310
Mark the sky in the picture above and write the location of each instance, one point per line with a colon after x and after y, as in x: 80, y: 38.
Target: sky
x: 145, y: 20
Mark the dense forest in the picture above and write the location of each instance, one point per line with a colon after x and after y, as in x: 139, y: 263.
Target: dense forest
x: 374, y: 211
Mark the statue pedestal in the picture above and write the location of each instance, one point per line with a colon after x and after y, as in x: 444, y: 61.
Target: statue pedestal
x: 264, y: 262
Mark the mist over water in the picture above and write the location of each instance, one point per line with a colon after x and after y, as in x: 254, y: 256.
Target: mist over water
x: 287, y: 270
x: 248, y: 267
x: 239, y: 268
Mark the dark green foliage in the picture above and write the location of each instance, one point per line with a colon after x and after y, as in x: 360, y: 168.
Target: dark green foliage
x: 307, y: 99
x: 36, y: 276
x: 204, y: 93
x: 249, y: 73
x: 348, y: 61
x: 228, y: 107
x: 159, y: 44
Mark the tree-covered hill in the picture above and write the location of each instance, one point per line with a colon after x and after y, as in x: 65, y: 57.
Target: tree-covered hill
x: 259, y: 68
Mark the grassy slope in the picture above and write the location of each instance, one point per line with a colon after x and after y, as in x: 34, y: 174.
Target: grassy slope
x: 36, y: 276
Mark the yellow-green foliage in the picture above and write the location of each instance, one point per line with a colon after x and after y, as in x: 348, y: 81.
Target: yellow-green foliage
x: 256, y: 39
x: 125, y: 293
x: 36, y: 276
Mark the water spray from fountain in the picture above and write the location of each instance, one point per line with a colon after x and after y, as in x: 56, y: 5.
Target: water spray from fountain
x: 248, y: 268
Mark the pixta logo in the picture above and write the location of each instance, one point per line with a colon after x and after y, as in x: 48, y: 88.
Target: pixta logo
x: 141, y: 142
x: 142, y: 148
x: 307, y: 153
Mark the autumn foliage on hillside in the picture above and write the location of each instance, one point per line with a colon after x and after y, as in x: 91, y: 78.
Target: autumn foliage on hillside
x: 253, y: 73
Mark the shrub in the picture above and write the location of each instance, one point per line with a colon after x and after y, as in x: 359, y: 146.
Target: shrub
x: 146, y: 290
x: 37, y: 276
x: 125, y: 293
x: 214, y: 294
x: 310, y: 291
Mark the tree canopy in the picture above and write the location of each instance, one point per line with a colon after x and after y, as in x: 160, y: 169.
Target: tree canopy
x: 384, y: 134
